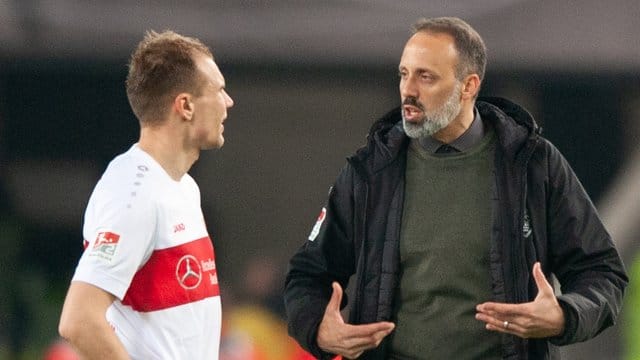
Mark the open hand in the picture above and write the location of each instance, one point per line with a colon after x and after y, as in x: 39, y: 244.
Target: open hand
x: 350, y: 341
x: 543, y: 317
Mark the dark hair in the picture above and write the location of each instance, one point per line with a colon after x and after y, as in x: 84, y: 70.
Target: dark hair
x: 470, y: 46
x: 161, y: 67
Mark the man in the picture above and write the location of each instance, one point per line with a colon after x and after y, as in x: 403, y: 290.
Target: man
x: 452, y: 217
x: 146, y: 285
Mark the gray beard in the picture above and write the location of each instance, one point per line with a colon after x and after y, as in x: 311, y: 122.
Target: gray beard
x: 438, y: 119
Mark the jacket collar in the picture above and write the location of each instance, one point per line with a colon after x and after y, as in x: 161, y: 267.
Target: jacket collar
x: 513, y: 124
x: 386, y: 139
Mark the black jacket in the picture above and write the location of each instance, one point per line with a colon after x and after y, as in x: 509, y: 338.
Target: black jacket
x: 540, y: 213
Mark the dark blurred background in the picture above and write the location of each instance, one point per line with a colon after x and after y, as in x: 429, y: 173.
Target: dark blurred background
x: 308, y: 78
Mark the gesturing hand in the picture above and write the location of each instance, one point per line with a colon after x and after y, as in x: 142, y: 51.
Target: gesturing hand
x: 543, y: 317
x: 350, y: 341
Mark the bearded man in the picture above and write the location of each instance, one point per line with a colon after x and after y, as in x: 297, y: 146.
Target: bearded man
x: 451, y: 220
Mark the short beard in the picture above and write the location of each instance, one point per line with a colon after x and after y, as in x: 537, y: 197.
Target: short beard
x: 436, y: 120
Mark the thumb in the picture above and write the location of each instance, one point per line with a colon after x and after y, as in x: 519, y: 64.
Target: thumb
x: 336, y: 297
x: 541, y: 281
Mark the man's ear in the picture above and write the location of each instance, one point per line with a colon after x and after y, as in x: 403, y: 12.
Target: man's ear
x: 183, y: 106
x: 470, y: 86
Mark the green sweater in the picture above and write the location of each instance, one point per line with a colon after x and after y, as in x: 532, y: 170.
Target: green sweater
x: 444, y: 254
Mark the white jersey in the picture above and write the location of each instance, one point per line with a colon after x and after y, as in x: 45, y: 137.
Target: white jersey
x: 147, y: 244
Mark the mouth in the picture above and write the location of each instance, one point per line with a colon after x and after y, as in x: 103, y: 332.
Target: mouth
x: 412, y: 113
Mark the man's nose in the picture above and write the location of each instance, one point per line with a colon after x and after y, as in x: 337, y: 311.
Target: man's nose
x: 408, y: 88
x: 229, y: 100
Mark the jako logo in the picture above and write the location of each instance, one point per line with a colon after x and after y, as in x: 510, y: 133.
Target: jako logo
x: 178, y: 228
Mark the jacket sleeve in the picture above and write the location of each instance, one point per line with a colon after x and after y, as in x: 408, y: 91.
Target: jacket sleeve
x: 326, y: 256
x: 583, y: 256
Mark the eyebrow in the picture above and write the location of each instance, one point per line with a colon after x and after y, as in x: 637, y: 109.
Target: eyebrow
x: 420, y: 70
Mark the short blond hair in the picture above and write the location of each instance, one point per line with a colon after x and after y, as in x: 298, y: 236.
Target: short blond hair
x: 161, y: 67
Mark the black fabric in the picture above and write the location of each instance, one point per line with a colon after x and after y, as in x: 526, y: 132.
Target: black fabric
x: 532, y: 179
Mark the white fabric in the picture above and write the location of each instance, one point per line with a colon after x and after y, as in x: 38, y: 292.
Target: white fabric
x: 150, y: 213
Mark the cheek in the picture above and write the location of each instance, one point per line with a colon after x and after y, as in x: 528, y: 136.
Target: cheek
x: 434, y: 98
x: 215, y: 111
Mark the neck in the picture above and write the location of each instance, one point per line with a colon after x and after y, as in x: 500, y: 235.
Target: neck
x: 457, y: 126
x: 165, y: 146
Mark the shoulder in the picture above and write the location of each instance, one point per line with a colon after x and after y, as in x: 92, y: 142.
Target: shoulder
x: 548, y: 162
x: 130, y: 176
x: 546, y: 152
x: 190, y: 187
x: 188, y: 181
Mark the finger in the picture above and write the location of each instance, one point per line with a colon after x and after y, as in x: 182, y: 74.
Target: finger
x: 494, y: 321
x: 541, y: 281
x: 360, y: 344
x: 356, y: 345
x: 505, y: 325
x: 336, y: 297
x: 369, y: 330
x: 500, y: 310
x: 509, y: 328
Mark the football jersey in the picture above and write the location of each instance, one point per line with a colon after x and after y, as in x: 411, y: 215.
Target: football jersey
x: 146, y: 243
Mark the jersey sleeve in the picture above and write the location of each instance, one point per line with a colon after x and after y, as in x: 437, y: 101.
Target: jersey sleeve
x: 120, y: 222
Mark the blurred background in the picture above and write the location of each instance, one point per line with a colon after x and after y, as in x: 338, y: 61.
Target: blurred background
x: 308, y: 79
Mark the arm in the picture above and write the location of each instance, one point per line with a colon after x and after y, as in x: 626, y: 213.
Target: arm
x: 583, y: 257
x: 83, y: 323
x: 318, y: 272
x: 322, y: 259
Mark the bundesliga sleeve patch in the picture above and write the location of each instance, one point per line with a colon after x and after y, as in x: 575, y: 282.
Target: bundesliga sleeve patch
x: 105, y: 245
x: 316, y: 228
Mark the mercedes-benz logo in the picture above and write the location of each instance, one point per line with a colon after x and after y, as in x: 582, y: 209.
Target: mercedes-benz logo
x: 188, y: 272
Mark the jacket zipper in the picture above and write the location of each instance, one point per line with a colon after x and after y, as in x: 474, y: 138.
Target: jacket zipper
x: 523, y: 208
x: 358, y: 171
x: 523, y: 266
x: 363, y: 252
